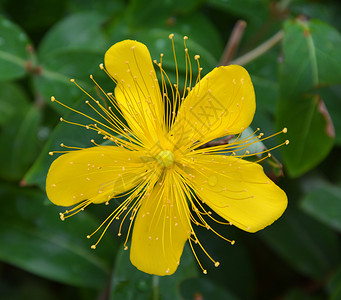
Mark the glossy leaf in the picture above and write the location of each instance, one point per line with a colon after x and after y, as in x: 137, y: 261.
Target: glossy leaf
x: 59, y: 68
x: 139, y: 13
x: 203, y: 41
x: 35, y: 239
x: 13, y: 50
x: 324, y: 204
x: 334, y: 285
x: 109, y: 8
x: 78, y: 32
x: 310, y: 132
x: 12, y: 100
x: 204, y: 288
x: 310, y: 61
x: 19, y: 139
x: 332, y: 96
x: 308, y: 246
x: 297, y: 294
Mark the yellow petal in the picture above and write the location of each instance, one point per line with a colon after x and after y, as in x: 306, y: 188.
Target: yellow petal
x: 238, y: 191
x: 96, y: 173
x: 161, y: 229
x: 137, y: 91
x: 222, y: 103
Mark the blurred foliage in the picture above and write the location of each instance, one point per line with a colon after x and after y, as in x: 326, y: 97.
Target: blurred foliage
x: 298, y: 85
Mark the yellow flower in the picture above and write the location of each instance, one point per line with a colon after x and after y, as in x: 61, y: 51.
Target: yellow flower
x: 159, y: 162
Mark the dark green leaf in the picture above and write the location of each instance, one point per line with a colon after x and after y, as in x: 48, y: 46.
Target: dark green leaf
x: 297, y: 294
x: 131, y: 284
x: 109, y: 8
x: 80, y: 32
x: 334, y: 285
x: 18, y: 141
x: 35, y: 239
x: 308, y: 246
x: 154, y: 33
x: 204, y: 288
x: 240, y: 284
x: 318, y: 10
x: 204, y: 41
x: 13, y: 53
x: 310, y: 132
x: 60, y: 67
x: 157, y: 11
x: 332, y: 97
x: 311, y: 60
x: 12, y: 101
x: 311, y: 57
x: 247, y: 9
x: 324, y: 203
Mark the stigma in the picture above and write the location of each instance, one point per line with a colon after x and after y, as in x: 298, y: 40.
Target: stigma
x: 165, y: 158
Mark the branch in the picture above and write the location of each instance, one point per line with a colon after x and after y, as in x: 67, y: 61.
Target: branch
x: 260, y: 50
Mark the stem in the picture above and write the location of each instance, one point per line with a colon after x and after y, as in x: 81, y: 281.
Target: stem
x: 155, y: 287
x: 233, y: 42
x: 260, y: 50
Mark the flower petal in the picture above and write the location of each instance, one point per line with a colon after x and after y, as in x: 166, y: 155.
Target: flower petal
x: 238, y: 191
x: 96, y: 173
x: 222, y: 103
x: 161, y: 229
x: 137, y: 92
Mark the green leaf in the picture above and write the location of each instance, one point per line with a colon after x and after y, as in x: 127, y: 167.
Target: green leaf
x: 80, y: 32
x: 18, y: 141
x: 247, y: 9
x: 204, y: 288
x: 332, y: 96
x: 311, y: 57
x: 308, y: 246
x: 310, y: 132
x: 60, y: 67
x: 131, y: 284
x: 154, y: 33
x: 311, y: 60
x: 13, y: 53
x: 36, y: 240
x: 334, y: 285
x: 324, y: 204
x: 109, y: 8
x: 140, y: 14
x: 237, y: 257
x: 296, y: 294
x: 204, y: 41
x: 74, y: 48
x: 12, y: 100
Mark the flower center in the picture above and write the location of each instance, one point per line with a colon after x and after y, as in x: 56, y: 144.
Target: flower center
x: 165, y: 158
